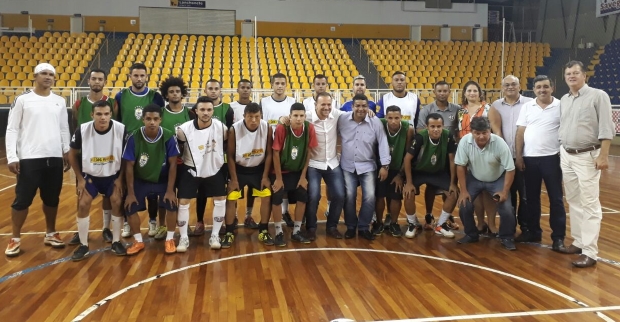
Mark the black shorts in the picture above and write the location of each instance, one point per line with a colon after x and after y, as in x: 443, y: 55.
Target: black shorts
x: 252, y: 181
x: 45, y: 175
x: 384, y: 189
x: 439, y: 180
x: 190, y: 187
x: 290, y: 181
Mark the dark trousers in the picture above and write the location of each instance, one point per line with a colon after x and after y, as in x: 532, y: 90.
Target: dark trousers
x: 547, y: 169
x: 519, y: 205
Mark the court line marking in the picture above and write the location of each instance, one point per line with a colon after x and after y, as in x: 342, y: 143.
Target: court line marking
x: 511, y: 314
x: 109, y: 298
x: 11, y: 186
x: 7, y: 176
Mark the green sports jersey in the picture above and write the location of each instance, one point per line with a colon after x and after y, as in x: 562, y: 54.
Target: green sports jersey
x: 433, y: 157
x: 84, y: 107
x: 131, y: 108
x: 397, y: 144
x: 219, y: 112
x: 171, y: 120
x: 295, y: 150
x: 150, y: 156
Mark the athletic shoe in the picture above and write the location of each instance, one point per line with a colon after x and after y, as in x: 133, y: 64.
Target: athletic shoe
x: 75, y: 240
x: 135, y: 248
x: 199, y: 229
x: 287, y: 219
x: 118, y: 249
x: 80, y: 253
x: 395, y: 230
x: 452, y: 224
x: 250, y: 223
x: 388, y: 220
x: 214, y: 242
x: 107, y: 235
x: 12, y: 249
x: 412, y: 230
x: 430, y: 222
x: 298, y: 237
x: 152, y: 228
x: 444, y: 231
x: 265, y: 237
x: 377, y: 229
x: 228, y: 240
x: 54, y: 241
x: 161, y: 233
x: 279, y: 240
x: 170, y: 247
x: 183, y: 245
x: 126, y: 230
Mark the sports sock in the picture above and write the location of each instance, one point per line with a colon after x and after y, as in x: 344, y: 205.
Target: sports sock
x: 219, y: 210
x: 443, y: 218
x: 117, y: 222
x: 138, y: 237
x: 83, y: 224
x: 183, y: 219
x: 107, y: 214
x: 278, y: 226
x: 297, y: 227
x: 284, y: 206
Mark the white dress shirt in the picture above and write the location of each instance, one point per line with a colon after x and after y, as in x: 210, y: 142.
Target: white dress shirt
x: 324, y: 156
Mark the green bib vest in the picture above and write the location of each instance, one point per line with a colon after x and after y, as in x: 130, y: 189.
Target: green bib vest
x: 86, y: 108
x: 150, y: 157
x: 171, y: 120
x: 432, y: 157
x: 131, y: 108
x: 397, y: 144
x: 293, y: 155
x: 219, y: 112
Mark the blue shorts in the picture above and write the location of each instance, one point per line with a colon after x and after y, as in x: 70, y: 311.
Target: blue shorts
x: 99, y: 185
x: 143, y: 189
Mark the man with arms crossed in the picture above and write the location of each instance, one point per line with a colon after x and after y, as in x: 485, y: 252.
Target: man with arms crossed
x: 37, y: 143
x: 586, y: 131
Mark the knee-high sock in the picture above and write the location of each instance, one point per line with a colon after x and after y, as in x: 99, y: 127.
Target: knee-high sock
x: 183, y: 219
x: 83, y: 224
x: 107, y: 214
x: 284, y: 206
x: 117, y: 223
x: 219, y: 210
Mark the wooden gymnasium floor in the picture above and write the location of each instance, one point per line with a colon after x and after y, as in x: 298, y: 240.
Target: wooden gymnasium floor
x: 419, y: 279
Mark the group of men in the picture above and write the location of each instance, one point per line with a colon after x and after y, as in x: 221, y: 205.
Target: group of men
x: 141, y: 153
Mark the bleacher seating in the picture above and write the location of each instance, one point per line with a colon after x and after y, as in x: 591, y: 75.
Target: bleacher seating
x: 605, y: 70
x: 69, y: 54
x: 427, y: 62
x: 228, y: 59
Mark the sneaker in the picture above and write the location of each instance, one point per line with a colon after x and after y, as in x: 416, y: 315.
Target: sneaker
x: 183, y: 245
x: 161, y: 233
x: 107, y: 235
x: 444, y: 231
x: 75, y: 240
x: 135, y: 248
x: 12, y: 249
x: 395, y: 230
x: 118, y: 249
x: 298, y: 237
x: 429, y: 222
x: 377, y: 229
x: 288, y: 220
x: 199, y: 229
x: 152, y: 228
x: 170, y: 247
x: 250, y: 223
x: 54, y: 241
x: 452, y: 224
x: 279, y: 240
x: 214, y: 242
x: 388, y: 220
x: 412, y: 230
x: 228, y: 240
x: 266, y: 238
x: 80, y: 253
x: 126, y: 230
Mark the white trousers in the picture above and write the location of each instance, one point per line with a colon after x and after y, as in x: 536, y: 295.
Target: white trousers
x: 581, y: 187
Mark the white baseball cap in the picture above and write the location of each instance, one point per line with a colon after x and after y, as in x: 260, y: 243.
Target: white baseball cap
x: 44, y: 66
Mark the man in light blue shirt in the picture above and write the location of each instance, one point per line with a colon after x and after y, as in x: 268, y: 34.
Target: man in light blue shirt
x: 361, y: 135
x: 484, y: 163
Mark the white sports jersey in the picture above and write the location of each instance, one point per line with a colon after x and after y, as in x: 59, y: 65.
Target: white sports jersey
x: 408, y: 105
x: 204, y: 149
x: 273, y: 110
x: 250, y: 146
x: 102, y: 153
x: 310, y: 104
x: 238, y: 109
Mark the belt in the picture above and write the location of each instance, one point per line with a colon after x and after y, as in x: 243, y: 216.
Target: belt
x: 588, y: 149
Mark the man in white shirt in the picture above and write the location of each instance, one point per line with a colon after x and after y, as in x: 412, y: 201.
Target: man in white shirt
x: 538, y: 155
x: 319, y: 84
x: 37, y: 143
x: 408, y: 102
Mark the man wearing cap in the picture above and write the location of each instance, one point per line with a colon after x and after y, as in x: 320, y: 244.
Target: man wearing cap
x: 37, y: 143
x: 359, y: 87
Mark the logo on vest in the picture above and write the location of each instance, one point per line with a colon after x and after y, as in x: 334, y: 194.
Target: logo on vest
x: 294, y: 152
x: 451, y: 117
x: 102, y: 160
x: 433, y: 159
x: 406, y: 117
x: 138, y: 112
x: 210, y: 146
x: 144, y: 158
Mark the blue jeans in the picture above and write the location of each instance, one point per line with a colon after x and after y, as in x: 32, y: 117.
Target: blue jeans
x: 545, y: 168
x: 335, y: 183
x: 475, y: 187
x: 368, y: 182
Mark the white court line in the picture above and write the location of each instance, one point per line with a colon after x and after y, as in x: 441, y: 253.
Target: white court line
x: 511, y: 314
x: 11, y: 186
x: 614, y: 210
x: 7, y: 176
x: 109, y: 298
